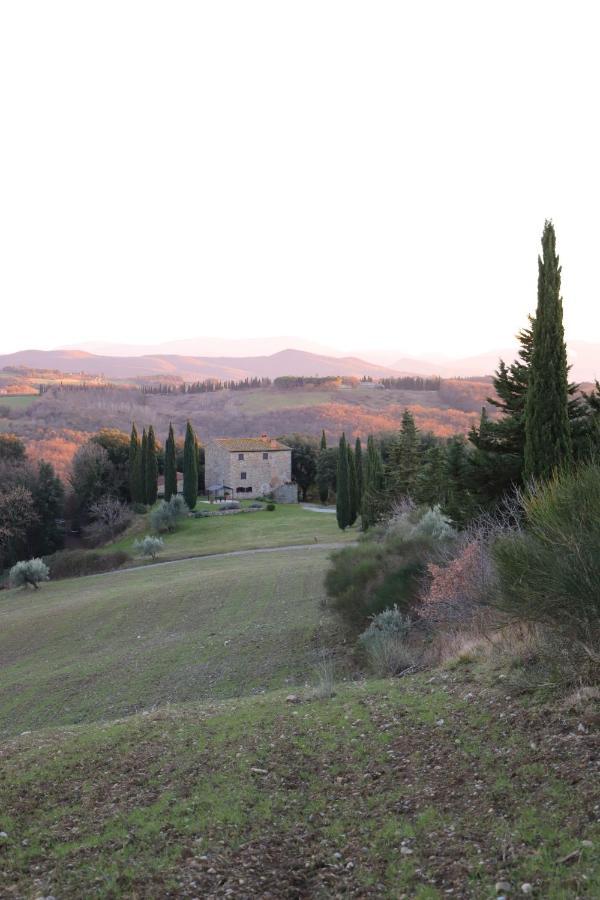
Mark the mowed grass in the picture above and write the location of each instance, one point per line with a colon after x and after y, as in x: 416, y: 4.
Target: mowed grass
x: 287, y: 525
x: 420, y: 788
x: 108, y: 645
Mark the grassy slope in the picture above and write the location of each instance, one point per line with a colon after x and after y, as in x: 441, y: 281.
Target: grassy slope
x: 104, y: 646
x: 260, y: 797
x: 18, y: 401
x: 286, y: 525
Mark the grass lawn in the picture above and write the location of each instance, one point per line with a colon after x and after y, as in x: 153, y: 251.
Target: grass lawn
x: 427, y: 787
x: 285, y: 526
x: 108, y: 645
x: 18, y: 401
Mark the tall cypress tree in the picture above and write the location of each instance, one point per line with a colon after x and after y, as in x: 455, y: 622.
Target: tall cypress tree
x: 374, y: 485
x: 342, y: 505
x: 360, y: 473
x: 323, y: 441
x: 548, y: 442
x: 170, y: 465
x: 151, y: 468
x: 352, y: 487
x: 190, y: 468
x: 143, y: 459
x: 136, y: 492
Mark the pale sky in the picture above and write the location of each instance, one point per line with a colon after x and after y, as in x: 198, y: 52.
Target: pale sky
x: 366, y: 174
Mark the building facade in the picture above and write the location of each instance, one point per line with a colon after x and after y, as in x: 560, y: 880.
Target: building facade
x: 248, y: 467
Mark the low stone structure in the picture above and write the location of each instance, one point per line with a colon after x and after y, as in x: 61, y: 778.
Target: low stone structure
x: 250, y: 467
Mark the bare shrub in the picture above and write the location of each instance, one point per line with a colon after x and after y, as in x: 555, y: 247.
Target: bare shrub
x: 110, y: 517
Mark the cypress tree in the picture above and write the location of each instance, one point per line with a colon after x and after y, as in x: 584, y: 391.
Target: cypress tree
x: 360, y: 472
x: 190, y: 468
x: 135, y: 486
x: 374, y: 485
x: 548, y: 442
x: 323, y: 441
x: 326, y: 472
x: 342, y: 504
x: 352, y: 487
x: 170, y: 465
x: 143, y: 459
x: 151, y: 468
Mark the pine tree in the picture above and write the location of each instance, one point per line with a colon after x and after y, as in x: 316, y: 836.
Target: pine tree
x: 430, y: 485
x: 136, y: 491
x: 360, y: 473
x: 170, y: 465
x: 352, y: 487
x: 142, y: 461
x: 190, y: 468
x: 459, y: 503
x: 373, y: 486
x: 548, y: 442
x: 405, y: 456
x: 342, y: 505
x: 323, y: 441
x: 151, y: 468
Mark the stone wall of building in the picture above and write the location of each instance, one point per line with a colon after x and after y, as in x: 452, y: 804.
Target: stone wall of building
x: 261, y: 474
x: 223, y: 466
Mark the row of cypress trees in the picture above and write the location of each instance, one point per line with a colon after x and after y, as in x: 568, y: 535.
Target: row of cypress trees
x: 143, y: 466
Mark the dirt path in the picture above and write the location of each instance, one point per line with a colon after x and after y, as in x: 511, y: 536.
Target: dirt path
x: 170, y: 562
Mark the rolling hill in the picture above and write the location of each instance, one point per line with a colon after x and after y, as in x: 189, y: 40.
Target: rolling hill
x: 192, y: 368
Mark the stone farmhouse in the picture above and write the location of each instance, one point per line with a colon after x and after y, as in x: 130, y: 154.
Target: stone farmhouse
x: 249, y: 467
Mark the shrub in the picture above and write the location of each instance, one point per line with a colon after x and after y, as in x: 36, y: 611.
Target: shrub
x: 256, y: 505
x: 461, y: 588
x: 149, y: 546
x: 29, y: 572
x: 385, y: 642
x: 229, y: 504
x: 75, y: 563
x: 140, y: 509
x: 271, y: 507
x: 166, y: 516
x: 387, y: 567
x: 110, y: 517
x: 549, y: 570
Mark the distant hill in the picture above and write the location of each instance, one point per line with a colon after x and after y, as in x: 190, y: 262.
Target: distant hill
x: 286, y: 362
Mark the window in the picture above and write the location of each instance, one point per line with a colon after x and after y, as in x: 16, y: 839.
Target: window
x: 265, y: 455
x: 240, y: 455
x: 243, y: 476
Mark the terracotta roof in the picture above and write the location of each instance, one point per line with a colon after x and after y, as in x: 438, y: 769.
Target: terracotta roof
x: 248, y: 444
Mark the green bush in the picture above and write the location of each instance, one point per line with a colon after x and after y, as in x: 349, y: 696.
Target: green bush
x: 30, y: 572
x: 76, y: 563
x: 385, y: 642
x: 166, y: 516
x: 271, y: 507
x: 549, y: 572
x: 149, y: 546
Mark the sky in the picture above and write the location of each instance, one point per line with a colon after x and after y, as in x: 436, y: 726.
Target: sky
x: 372, y: 174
